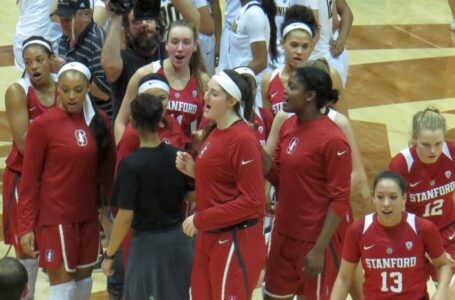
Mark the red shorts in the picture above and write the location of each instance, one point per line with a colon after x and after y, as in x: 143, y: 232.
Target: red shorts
x: 285, y: 277
x: 448, y: 239
x: 216, y: 268
x: 10, y: 196
x: 76, y: 245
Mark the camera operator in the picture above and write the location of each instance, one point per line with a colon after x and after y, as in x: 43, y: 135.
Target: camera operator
x: 143, y: 32
x: 82, y: 41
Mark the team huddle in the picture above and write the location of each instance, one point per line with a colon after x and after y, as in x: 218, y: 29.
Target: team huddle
x: 216, y: 164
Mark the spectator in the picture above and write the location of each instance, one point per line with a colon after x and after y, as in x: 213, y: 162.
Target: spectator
x: 142, y: 47
x: 82, y: 41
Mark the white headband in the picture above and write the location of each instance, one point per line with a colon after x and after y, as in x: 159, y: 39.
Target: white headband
x: 228, y: 85
x: 37, y: 42
x: 87, y: 107
x: 245, y: 70
x: 297, y: 25
x: 76, y: 66
x: 154, y: 83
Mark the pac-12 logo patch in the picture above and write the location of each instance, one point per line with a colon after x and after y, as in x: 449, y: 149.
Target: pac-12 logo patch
x: 292, y: 145
x: 194, y: 93
x: 409, y: 245
x: 81, y: 137
x: 204, y: 148
x: 49, y: 255
x: 448, y: 174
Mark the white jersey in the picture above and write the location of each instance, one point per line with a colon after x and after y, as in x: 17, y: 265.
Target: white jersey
x: 322, y: 48
x: 231, y: 12
x: 206, y: 42
x: 281, y: 8
x: 251, y: 25
x: 34, y: 20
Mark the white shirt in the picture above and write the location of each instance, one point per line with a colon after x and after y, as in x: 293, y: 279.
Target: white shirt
x: 251, y: 25
x: 34, y: 20
x: 322, y: 48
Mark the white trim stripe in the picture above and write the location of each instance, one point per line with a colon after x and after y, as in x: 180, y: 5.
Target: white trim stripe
x: 446, y: 151
x: 408, y: 157
x: 62, y: 241
x: 226, y: 270
x: 278, y: 296
x: 318, y: 287
x: 87, y: 265
x: 411, y: 219
x: 368, y: 222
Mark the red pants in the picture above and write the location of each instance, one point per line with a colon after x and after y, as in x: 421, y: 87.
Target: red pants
x: 217, y: 273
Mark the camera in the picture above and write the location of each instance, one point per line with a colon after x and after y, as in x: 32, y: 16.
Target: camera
x: 120, y: 7
x: 142, y: 9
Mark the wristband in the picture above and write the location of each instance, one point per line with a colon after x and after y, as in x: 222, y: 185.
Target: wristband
x: 105, y: 256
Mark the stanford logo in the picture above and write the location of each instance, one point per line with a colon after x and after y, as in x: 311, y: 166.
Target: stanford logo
x: 81, y: 137
x: 203, y: 149
x: 49, y: 255
x: 292, y: 145
x: 409, y: 245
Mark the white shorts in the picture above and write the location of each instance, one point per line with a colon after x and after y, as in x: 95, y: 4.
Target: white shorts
x: 224, y: 42
x: 207, y: 46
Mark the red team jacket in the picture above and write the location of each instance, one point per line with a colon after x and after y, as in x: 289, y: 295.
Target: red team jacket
x: 229, y: 181
x: 60, y: 177
x: 312, y: 168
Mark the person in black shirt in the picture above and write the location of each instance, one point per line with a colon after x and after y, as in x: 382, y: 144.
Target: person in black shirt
x: 143, y: 46
x: 150, y: 192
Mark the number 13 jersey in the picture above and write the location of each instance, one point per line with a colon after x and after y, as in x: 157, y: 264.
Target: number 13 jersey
x: 393, y: 258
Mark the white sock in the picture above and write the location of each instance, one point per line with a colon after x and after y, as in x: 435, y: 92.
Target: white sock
x: 31, y: 265
x: 83, y: 289
x: 64, y: 291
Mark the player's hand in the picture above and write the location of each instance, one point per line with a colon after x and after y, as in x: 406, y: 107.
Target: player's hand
x: 314, y: 262
x: 106, y: 266
x: 336, y: 47
x: 188, y: 226
x: 185, y: 163
x: 28, y: 244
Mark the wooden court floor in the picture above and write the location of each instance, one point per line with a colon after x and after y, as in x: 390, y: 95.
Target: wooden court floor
x: 402, y: 59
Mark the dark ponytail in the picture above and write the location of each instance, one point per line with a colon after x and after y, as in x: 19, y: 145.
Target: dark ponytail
x: 101, y: 134
x: 269, y: 8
